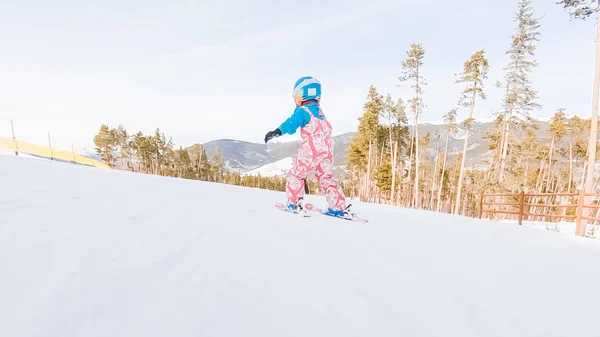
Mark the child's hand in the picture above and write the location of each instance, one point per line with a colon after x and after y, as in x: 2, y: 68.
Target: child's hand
x: 272, y: 134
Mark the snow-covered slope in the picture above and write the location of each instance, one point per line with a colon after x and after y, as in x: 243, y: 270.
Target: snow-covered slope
x: 94, y: 252
x: 4, y: 152
x: 278, y: 168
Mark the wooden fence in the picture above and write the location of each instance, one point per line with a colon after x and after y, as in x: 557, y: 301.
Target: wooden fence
x: 536, y: 205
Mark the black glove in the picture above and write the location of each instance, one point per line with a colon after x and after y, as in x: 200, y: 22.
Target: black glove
x: 272, y: 134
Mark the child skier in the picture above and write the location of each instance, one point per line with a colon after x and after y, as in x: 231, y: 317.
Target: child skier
x: 316, y: 149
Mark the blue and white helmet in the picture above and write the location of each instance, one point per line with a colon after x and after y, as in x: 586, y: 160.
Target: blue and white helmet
x: 307, y: 88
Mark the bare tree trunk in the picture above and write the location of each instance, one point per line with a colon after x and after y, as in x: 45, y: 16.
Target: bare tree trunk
x: 394, y: 157
x: 570, y: 165
x: 442, y: 176
x: 433, y: 178
x: 540, y: 181
x: 381, y: 157
x: 504, y: 150
x: 376, y: 158
x: 359, y: 185
x: 417, y: 163
x: 589, y: 178
x: 410, y: 159
x: 551, y: 149
x: 199, y: 172
x: 461, y: 174
x: 417, y: 154
x: 464, y: 156
x: 538, y: 185
x: 368, y: 182
x: 378, y: 165
x: 390, y: 132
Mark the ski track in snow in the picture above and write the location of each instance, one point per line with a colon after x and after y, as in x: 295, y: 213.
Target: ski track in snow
x: 93, y: 252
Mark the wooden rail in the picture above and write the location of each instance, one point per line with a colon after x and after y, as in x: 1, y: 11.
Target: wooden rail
x: 518, y: 206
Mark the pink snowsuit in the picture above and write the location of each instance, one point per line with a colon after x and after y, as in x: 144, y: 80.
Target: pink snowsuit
x: 315, y: 153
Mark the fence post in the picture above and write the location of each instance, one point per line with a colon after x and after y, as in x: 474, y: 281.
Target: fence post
x: 50, y: 146
x: 12, y: 126
x: 73, y: 150
x: 480, y: 205
x: 521, y: 204
x: 580, y: 206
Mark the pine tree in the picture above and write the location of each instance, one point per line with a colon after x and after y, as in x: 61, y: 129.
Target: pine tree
x: 163, y: 151
x: 436, y: 160
x: 424, y: 159
x: 195, y: 154
x: 520, y: 97
x: 217, y: 163
x: 411, y: 71
x: 450, y: 127
x: 122, y: 143
x: 577, y: 147
x: 367, y: 130
x: 182, y: 163
x: 204, y: 165
x: 146, y: 150
x: 363, y: 144
x: 495, y: 140
x: 106, y: 142
x: 474, y: 72
x: 396, y: 132
x: 558, y: 129
x: 383, y: 175
x: 155, y: 154
x: 528, y: 148
x: 578, y: 9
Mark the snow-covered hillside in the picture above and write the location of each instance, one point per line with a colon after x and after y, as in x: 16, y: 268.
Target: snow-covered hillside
x: 278, y: 168
x: 95, y: 252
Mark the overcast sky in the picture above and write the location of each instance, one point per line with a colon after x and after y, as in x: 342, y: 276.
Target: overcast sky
x: 202, y: 70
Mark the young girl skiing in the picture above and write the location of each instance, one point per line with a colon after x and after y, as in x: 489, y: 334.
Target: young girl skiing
x: 316, y: 149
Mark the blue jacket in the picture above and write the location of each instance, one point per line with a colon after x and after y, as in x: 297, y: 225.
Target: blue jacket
x: 300, y: 118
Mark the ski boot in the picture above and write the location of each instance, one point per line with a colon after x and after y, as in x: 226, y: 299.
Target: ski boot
x: 298, y: 207
x: 346, y: 213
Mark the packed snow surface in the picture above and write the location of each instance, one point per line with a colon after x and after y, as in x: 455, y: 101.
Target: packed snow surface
x: 96, y: 252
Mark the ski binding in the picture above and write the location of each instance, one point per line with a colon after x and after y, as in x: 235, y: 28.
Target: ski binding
x: 312, y: 208
x: 296, y: 211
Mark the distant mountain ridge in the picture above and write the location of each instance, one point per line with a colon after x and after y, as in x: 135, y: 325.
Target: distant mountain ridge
x: 244, y: 156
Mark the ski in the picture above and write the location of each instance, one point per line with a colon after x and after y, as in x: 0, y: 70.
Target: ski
x: 285, y: 209
x: 312, y: 208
